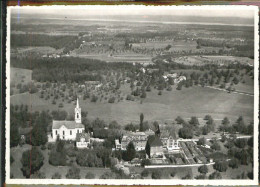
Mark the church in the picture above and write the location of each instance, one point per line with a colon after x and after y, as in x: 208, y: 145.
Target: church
x: 68, y: 130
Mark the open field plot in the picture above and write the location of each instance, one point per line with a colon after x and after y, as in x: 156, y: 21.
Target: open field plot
x: 200, y: 60
x: 42, y: 50
x: 123, y: 57
x: 19, y: 75
x: 167, y: 107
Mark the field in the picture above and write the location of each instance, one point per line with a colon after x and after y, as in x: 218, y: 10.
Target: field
x: 19, y: 75
x: 200, y: 60
x: 125, y: 57
x: 195, y: 101
x: 40, y: 50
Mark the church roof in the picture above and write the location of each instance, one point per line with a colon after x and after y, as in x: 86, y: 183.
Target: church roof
x: 67, y: 124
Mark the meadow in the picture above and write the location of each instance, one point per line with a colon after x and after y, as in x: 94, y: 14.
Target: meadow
x: 196, y: 101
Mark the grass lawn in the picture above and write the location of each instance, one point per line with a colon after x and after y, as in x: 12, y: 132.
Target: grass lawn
x: 48, y: 169
x: 195, y: 101
x: 19, y: 75
x: 16, y: 166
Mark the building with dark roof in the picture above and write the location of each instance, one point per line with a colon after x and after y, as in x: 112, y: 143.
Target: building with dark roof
x: 154, y: 147
x: 68, y: 130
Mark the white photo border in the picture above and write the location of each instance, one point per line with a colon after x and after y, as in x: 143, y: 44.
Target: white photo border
x: 138, y: 181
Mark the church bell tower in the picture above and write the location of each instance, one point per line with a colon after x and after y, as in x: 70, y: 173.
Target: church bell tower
x: 78, y: 113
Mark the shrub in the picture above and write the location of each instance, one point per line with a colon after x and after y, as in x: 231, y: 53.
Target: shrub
x: 160, y: 93
x: 173, y: 173
x: 145, y: 173
x: 43, y: 147
x: 215, y: 175
x: 111, y: 100
x: 233, y: 163
x: 89, y: 175
x: 156, y: 174
x: 220, y: 166
x: 241, y: 143
x: 73, y: 173
x: 215, y: 146
x: 56, y: 176
x: 202, y: 176
x: 203, y: 169
x: 38, y: 175
x: 11, y: 159
x: 188, y: 176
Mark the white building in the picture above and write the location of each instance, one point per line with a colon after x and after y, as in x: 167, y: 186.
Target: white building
x: 68, y: 130
x: 83, y: 140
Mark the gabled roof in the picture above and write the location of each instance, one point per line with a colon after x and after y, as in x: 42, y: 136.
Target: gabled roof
x: 82, y: 135
x: 67, y: 124
x: 154, y: 141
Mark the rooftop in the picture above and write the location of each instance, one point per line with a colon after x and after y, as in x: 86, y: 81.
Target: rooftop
x: 67, y: 124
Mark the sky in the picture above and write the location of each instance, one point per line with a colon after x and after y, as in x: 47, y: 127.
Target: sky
x: 206, y: 11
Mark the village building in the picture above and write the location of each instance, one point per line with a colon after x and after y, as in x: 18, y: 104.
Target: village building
x: 169, y: 141
x: 138, y: 138
x: 68, y: 130
x: 82, y: 140
x: 154, y: 147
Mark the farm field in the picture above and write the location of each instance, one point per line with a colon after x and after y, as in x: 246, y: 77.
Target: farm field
x: 19, y: 75
x: 200, y: 60
x: 163, y: 108
x: 40, y: 50
x: 127, y: 57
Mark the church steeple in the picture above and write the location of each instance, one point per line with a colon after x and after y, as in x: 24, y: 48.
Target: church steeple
x: 77, y: 113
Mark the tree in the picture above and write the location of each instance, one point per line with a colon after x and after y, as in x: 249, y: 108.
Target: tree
x: 130, y: 152
x: 32, y: 161
x: 179, y: 120
x: 14, y: 136
x: 141, y: 122
x: 39, y: 136
x: 156, y: 174
x: 241, y: 142
x: 233, y: 163
x: 220, y: 165
x: 215, y: 175
x: 202, y: 141
x: 215, y: 146
x: 57, y: 155
x: 203, y: 169
x: 90, y: 175
x: 73, y: 173
x: 114, y: 125
x: 185, y: 133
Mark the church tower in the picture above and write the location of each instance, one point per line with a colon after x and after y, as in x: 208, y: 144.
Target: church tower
x: 78, y: 113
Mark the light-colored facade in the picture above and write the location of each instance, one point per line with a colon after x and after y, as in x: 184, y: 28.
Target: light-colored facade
x: 83, y: 141
x: 139, y: 140
x: 68, y: 130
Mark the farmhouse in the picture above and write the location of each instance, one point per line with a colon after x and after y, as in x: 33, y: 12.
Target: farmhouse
x: 68, y: 130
